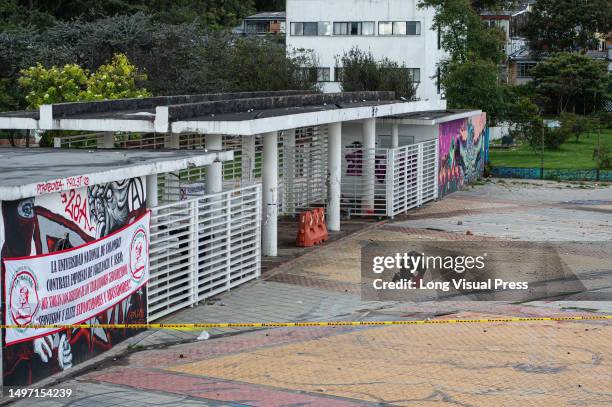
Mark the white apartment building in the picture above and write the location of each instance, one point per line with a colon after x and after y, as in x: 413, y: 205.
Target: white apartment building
x: 395, y: 29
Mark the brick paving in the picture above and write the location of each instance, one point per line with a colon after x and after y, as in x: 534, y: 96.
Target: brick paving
x: 536, y: 363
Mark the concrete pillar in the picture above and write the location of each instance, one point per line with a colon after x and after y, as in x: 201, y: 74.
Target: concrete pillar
x: 106, y: 140
x: 395, y: 136
x: 270, y: 194
x: 214, y: 172
x: 247, y: 159
x: 173, y: 141
x: 368, y: 165
x: 335, y: 176
x: 152, y: 191
x: 289, y: 170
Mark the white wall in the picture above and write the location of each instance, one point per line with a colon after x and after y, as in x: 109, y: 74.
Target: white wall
x: 413, y: 51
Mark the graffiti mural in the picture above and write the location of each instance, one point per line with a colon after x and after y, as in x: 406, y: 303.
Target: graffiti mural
x: 58, y: 221
x: 462, y: 153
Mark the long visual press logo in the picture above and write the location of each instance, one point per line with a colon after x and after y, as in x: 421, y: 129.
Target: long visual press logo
x: 23, y: 297
x: 139, y: 254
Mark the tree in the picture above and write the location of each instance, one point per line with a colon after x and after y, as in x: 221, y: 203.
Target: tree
x: 463, y: 34
x: 571, y: 81
x: 72, y: 83
x: 567, y: 25
x: 469, y: 75
x: 474, y: 85
x: 209, y: 14
x: 256, y: 64
x: 362, y: 72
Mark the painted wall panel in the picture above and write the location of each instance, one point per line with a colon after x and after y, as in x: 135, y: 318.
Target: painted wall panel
x: 58, y: 221
x: 462, y: 153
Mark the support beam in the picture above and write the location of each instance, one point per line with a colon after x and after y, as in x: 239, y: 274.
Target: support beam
x: 289, y: 171
x: 214, y: 172
x: 106, y: 140
x: 151, y: 193
x: 173, y: 141
x: 247, y: 160
x: 335, y: 176
x: 270, y: 194
x: 369, y: 165
x: 395, y: 135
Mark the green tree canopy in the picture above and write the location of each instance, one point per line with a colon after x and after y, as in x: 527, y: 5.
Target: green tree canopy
x: 567, y: 25
x: 571, y: 82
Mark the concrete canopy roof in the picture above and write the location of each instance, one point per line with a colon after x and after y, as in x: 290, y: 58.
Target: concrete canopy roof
x: 33, y: 172
x: 240, y: 114
x: 430, y: 118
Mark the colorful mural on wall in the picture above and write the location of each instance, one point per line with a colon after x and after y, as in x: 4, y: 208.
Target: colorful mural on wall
x: 462, y: 152
x: 58, y: 221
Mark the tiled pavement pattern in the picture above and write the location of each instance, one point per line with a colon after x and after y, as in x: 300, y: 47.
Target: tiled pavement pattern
x: 565, y: 363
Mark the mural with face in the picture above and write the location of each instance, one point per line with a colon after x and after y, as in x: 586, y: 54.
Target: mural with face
x: 56, y: 222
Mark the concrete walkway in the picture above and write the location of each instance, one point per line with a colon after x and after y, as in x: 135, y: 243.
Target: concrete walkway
x: 532, y: 363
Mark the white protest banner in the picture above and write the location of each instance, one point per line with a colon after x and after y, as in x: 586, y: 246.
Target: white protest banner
x: 74, y: 285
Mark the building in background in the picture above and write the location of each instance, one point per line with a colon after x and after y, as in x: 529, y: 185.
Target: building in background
x: 270, y: 22
x: 394, y: 29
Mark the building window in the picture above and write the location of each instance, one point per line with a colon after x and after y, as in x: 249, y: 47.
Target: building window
x: 413, y: 28
x: 399, y: 28
x: 415, y: 73
x: 524, y: 69
x: 323, y: 74
x: 354, y: 28
x: 339, y: 72
x: 311, y: 29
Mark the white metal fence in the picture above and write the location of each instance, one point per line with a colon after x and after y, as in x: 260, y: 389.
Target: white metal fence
x: 201, y: 247
x: 304, y: 170
x: 388, y: 182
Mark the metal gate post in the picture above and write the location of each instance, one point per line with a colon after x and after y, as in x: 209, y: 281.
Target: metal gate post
x: 390, y: 183
x: 420, y: 175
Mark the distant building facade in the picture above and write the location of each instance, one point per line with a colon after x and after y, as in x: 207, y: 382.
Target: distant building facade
x: 393, y: 29
x: 264, y: 23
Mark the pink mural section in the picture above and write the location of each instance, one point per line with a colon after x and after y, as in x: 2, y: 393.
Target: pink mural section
x: 462, y: 153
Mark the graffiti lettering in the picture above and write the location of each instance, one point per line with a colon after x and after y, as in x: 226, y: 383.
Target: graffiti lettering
x: 51, y: 186
x: 77, y: 182
x: 76, y: 208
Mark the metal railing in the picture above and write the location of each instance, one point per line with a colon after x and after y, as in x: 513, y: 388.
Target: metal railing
x: 201, y: 247
x: 388, y: 182
x: 304, y: 170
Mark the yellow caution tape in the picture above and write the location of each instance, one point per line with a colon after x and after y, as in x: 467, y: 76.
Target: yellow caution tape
x: 308, y: 324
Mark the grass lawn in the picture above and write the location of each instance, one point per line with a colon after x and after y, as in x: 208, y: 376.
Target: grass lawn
x: 571, y: 155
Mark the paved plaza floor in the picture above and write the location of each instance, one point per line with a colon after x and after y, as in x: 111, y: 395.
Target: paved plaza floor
x: 525, y: 363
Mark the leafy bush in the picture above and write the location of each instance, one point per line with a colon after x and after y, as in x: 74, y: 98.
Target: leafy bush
x: 362, y: 72
x: 72, y: 83
x: 603, y: 157
x: 555, y: 137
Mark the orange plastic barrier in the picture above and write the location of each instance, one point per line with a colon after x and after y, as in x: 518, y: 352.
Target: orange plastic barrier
x: 322, y: 233
x: 312, y: 228
x: 305, y: 237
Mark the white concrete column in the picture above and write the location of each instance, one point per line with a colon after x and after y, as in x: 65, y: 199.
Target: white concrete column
x: 368, y: 164
x: 289, y: 170
x: 214, y: 172
x: 335, y: 176
x: 395, y: 135
x: 173, y: 141
x: 270, y: 194
x: 247, y: 159
x: 106, y: 140
x: 151, y: 192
